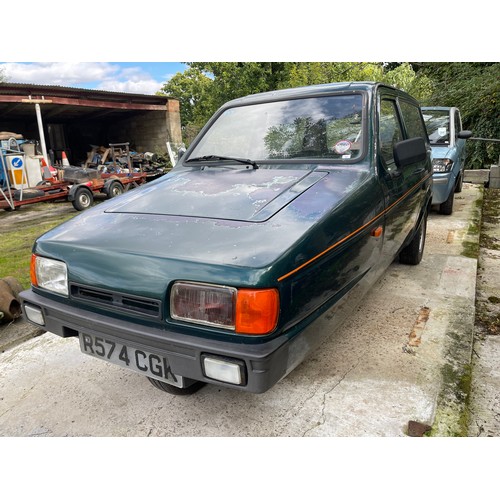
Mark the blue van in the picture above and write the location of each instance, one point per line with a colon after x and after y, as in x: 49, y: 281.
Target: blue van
x: 444, y: 128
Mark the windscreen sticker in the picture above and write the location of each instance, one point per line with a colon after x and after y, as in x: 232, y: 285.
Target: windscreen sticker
x: 342, y: 147
x: 442, y: 131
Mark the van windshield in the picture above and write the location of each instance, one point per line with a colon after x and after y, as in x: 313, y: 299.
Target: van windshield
x: 311, y: 128
x: 437, y: 123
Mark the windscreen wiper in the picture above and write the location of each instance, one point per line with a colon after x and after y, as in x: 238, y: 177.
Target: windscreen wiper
x: 245, y: 161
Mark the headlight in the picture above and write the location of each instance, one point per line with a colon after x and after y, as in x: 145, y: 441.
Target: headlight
x: 442, y: 165
x: 49, y: 274
x: 248, y: 311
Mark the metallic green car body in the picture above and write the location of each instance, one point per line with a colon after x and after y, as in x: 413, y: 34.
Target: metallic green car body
x: 321, y: 236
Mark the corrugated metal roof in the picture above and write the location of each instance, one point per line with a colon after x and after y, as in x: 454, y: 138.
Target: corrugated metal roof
x: 9, y: 88
x: 67, y: 104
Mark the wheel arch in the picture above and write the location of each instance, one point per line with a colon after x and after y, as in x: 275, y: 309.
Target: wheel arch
x: 74, y: 188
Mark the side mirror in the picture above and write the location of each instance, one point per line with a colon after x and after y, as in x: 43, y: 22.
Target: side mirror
x: 464, y: 134
x: 409, y: 151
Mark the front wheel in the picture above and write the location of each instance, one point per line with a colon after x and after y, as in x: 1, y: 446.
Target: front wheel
x: 413, y: 252
x: 171, y: 389
x: 446, y: 208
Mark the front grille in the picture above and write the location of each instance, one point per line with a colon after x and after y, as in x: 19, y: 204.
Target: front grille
x: 117, y: 301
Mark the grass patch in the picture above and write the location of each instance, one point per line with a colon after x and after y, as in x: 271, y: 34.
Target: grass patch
x: 491, y: 210
x: 470, y: 249
x: 491, y: 215
x: 487, y: 317
x: 19, y: 230
x: 470, y: 245
x: 452, y: 412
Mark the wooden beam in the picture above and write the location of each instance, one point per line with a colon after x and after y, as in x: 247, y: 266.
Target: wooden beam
x: 91, y: 103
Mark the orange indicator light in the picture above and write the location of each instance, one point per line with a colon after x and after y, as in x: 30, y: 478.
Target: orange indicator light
x: 34, y: 281
x: 257, y: 311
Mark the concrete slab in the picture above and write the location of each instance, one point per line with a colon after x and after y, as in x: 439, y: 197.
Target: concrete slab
x: 479, y: 176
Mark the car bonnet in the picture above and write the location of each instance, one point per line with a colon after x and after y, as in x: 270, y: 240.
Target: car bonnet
x: 220, y: 193
x: 443, y: 152
x: 105, y: 246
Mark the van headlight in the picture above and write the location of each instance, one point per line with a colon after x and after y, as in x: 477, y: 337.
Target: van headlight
x: 49, y: 274
x: 441, y: 165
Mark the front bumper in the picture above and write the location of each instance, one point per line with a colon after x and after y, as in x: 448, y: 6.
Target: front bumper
x: 265, y: 363
x: 442, y: 185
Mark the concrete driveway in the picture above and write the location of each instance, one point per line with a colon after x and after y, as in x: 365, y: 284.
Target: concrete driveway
x: 397, y: 367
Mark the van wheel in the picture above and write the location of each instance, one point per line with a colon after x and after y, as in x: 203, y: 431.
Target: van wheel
x: 171, y: 389
x: 460, y: 183
x: 446, y: 208
x: 413, y: 252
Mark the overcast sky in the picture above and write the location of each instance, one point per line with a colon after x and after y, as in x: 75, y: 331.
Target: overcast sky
x: 135, y: 77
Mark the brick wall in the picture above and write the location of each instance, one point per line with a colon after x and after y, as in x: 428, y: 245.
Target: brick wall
x: 149, y: 131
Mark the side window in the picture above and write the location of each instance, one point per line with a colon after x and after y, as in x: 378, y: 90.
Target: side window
x: 414, y: 124
x: 389, y: 132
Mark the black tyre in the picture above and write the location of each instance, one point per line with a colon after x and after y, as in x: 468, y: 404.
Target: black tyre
x: 115, y: 188
x: 196, y: 386
x: 83, y: 199
x: 446, y: 208
x: 460, y: 183
x: 413, y: 252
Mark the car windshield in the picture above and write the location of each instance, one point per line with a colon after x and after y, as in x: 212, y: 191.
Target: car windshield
x: 437, y: 122
x: 312, y: 128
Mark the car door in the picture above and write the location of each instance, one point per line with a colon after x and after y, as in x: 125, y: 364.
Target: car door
x: 401, y: 186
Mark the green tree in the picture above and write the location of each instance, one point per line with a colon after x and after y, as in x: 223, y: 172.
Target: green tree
x: 312, y: 73
x: 404, y: 77
x: 193, y: 90
x: 236, y: 79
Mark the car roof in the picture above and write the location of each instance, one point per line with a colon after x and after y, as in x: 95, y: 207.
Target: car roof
x: 439, y: 108
x: 307, y: 91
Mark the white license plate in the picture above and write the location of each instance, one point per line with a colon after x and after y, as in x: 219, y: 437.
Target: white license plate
x: 138, y: 360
